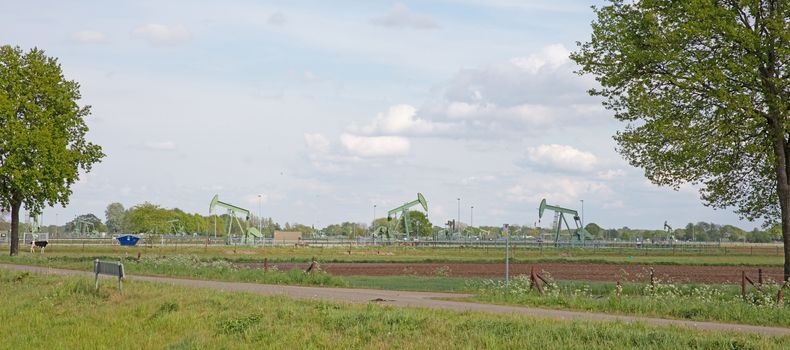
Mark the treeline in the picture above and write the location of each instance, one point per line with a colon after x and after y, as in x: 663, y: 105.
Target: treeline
x: 154, y: 219
x: 692, y: 232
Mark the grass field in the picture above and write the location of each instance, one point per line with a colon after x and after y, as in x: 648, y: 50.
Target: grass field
x: 54, y: 312
x: 721, y: 303
x: 723, y: 256
x: 693, y: 302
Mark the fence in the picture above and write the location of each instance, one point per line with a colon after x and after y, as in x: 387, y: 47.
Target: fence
x: 636, y: 248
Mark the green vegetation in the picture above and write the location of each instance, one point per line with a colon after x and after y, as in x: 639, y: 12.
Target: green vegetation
x: 682, y: 76
x: 725, y: 255
x: 687, y: 301
x: 44, y: 148
x: 151, y: 315
x: 413, y: 283
x: 190, y: 267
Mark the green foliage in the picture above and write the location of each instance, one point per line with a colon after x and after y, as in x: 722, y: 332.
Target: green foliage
x: 419, y: 224
x: 594, y: 229
x: 152, y: 218
x: 96, y: 224
x: 703, y: 87
x: 662, y: 299
x: 43, y: 148
x: 348, y: 229
x: 115, y: 215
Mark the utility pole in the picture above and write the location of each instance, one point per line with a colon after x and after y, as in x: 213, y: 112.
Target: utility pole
x: 260, y: 218
x: 507, y: 254
x: 458, y: 225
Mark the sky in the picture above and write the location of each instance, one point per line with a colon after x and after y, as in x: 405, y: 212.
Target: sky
x: 320, y: 112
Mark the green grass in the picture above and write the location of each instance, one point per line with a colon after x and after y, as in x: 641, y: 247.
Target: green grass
x: 414, y: 283
x: 186, y: 266
x: 428, y: 254
x: 56, y: 312
x: 721, y: 303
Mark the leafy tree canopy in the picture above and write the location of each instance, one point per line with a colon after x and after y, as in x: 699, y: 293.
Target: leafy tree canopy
x: 43, y: 147
x: 704, y: 89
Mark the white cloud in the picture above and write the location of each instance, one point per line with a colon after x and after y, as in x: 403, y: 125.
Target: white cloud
x: 400, y: 16
x: 611, y: 174
x: 317, y: 143
x: 310, y: 77
x: 277, y: 19
x: 551, y: 56
x: 401, y: 120
x: 159, y: 35
x: 375, y: 146
x: 558, y: 191
x: 535, y: 92
x: 161, y: 146
x: 252, y: 199
x: 477, y: 179
x: 89, y: 37
x: 561, y: 157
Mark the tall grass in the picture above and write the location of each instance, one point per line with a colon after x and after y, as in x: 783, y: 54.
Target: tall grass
x: 56, y: 312
x: 666, y: 300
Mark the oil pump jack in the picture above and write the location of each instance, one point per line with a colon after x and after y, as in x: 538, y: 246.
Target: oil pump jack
x: 233, y: 216
x: 668, y: 230
x: 577, y: 235
x: 403, y: 210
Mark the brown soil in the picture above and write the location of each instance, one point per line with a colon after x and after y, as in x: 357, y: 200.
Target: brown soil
x: 560, y: 271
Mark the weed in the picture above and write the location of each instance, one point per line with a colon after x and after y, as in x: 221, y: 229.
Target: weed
x: 164, y: 309
x: 239, y: 326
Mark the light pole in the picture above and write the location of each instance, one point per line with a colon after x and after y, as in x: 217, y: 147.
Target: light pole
x: 582, y: 200
x: 373, y: 223
x: 56, y: 225
x: 472, y: 216
x: 458, y: 223
x: 260, y: 219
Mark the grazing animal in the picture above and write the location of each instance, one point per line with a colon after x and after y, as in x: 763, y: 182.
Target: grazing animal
x: 40, y: 244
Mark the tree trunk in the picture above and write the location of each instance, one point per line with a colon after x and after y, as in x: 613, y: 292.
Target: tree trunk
x: 15, y: 228
x: 784, y: 197
x: 783, y: 190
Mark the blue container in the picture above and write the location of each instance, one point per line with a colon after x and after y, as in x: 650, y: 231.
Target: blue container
x: 128, y: 240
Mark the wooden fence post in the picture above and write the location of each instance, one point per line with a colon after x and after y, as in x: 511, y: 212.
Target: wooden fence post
x: 743, y: 284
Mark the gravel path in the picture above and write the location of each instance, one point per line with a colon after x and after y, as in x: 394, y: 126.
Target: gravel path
x: 418, y: 299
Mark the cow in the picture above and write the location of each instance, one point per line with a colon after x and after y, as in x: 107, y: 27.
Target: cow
x: 40, y: 244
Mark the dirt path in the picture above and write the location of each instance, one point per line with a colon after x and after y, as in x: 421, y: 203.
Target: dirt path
x: 418, y: 299
x: 560, y: 271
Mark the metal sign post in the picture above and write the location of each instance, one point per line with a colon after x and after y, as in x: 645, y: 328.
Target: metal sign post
x: 507, y: 254
x: 114, y: 269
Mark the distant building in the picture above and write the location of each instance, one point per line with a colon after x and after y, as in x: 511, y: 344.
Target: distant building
x: 287, y: 236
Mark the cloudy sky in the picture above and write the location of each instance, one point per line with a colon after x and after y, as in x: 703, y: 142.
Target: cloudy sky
x: 327, y: 108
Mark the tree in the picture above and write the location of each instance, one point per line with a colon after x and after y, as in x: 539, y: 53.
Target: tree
x: 43, y: 147
x: 84, y: 219
x: 704, y: 90
x: 419, y: 225
x: 594, y: 229
x: 115, y: 217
